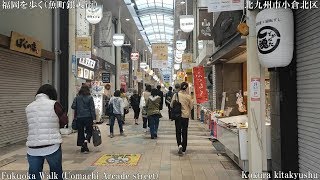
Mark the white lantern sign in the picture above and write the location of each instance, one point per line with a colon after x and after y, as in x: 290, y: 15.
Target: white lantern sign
x: 181, y: 45
x: 179, y: 54
x: 118, y: 39
x: 94, y: 14
x: 275, y: 37
x: 186, y: 23
x: 176, y: 66
x: 177, y: 60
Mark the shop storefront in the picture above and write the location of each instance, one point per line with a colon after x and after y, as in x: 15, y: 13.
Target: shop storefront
x: 308, y: 89
x: 23, y: 71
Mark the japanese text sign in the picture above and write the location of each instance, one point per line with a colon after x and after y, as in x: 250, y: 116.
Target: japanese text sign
x: 200, y: 85
x: 25, y: 44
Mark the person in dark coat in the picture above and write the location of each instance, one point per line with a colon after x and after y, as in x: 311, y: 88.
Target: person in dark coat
x: 168, y: 101
x: 135, y: 104
x: 160, y: 94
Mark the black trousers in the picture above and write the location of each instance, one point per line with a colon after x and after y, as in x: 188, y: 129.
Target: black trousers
x: 169, y: 112
x: 182, y: 131
x: 136, y: 112
x: 146, y: 122
x: 84, y: 125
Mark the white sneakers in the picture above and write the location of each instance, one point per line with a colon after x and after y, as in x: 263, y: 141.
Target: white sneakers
x: 180, y: 150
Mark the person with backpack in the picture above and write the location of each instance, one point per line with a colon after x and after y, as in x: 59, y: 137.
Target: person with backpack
x: 181, y: 105
x: 135, y: 103
x: 153, y: 112
x: 168, y: 99
x: 143, y: 102
x: 160, y: 94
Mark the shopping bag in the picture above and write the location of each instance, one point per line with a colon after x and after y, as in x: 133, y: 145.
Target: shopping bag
x: 96, y: 136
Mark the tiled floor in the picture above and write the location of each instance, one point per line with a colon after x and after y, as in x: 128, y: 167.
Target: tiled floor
x: 159, y: 158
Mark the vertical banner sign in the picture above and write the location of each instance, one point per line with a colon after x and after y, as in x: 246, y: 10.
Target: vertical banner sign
x: 205, y: 25
x: 124, y: 68
x: 83, y: 28
x: 103, y: 31
x: 83, y: 47
x: 255, y: 89
x: 159, y: 55
x: 200, y: 85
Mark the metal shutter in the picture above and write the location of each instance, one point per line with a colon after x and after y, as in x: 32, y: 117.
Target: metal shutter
x: 20, y: 79
x: 308, y: 89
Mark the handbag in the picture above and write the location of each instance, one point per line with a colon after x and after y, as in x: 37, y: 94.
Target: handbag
x: 126, y: 111
x: 96, y: 136
x: 74, y: 124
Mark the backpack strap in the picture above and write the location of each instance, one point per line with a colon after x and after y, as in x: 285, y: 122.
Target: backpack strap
x: 178, y: 96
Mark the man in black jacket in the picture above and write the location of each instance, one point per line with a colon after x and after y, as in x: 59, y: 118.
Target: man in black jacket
x: 160, y: 93
x: 168, y: 101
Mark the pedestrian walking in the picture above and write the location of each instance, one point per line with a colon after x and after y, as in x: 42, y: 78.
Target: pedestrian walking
x: 135, y: 104
x: 125, y: 104
x: 116, y: 102
x: 143, y: 102
x: 160, y: 94
x: 84, y: 108
x: 153, y: 112
x: 45, y: 117
x: 182, y: 123
x: 168, y: 99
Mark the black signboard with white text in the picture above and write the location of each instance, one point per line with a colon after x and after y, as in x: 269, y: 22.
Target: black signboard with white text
x: 106, y: 77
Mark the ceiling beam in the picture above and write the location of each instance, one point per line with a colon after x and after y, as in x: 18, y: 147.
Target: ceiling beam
x: 157, y: 10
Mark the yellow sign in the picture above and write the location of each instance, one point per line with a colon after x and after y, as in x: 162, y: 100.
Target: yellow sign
x: 118, y: 160
x: 187, y: 58
x: 83, y: 44
x: 189, y: 75
x: 124, y: 68
x: 25, y: 44
x: 160, y: 52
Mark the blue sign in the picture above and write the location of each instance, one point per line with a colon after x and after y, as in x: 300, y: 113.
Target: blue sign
x: 74, y: 65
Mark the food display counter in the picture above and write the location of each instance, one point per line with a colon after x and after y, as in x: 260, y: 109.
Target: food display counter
x: 232, y: 132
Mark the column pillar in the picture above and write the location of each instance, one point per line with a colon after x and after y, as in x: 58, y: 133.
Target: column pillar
x: 256, y: 107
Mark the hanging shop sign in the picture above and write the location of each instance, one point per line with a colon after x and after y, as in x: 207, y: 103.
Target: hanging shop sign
x: 94, y: 13
x: 139, y: 76
x: 177, y: 60
x: 124, y: 68
x: 189, y: 75
x: 91, y: 75
x: 86, y: 73
x: 186, y: 23
x: 87, y: 62
x: 103, y: 31
x: 187, y: 58
x: 255, y: 89
x: 179, y: 54
x: 159, y: 55
x: 205, y: 25
x: 223, y: 5
x: 118, y: 39
x: 83, y: 26
x: 134, y: 56
x: 275, y: 37
x: 106, y: 77
x: 181, y: 45
x: 200, y: 85
x: 25, y: 44
x: 83, y: 47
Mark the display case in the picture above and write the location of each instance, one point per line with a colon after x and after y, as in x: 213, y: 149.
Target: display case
x: 232, y: 132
